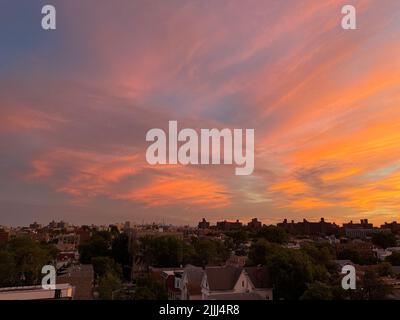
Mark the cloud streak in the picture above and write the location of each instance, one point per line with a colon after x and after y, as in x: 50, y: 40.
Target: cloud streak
x: 76, y: 106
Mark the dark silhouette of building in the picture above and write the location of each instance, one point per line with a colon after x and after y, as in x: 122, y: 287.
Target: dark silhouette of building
x: 361, y: 230
x: 305, y: 227
x: 254, y: 224
x: 393, y: 226
x: 364, y: 224
x: 227, y: 225
x: 35, y: 226
x: 203, y: 224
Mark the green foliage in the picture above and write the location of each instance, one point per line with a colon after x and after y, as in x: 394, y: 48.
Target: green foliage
x: 166, y: 251
x: 320, y: 253
x: 358, y: 257
x: 8, y: 276
x: 273, y: 234
x: 209, y: 252
x: 291, y: 271
x: 149, y: 289
x: 104, y: 265
x: 22, y: 260
x: 384, y: 239
x: 371, y: 288
x: 109, y: 285
x: 295, y: 272
x: 394, y: 259
x: 121, y: 255
x: 260, y: 250
x: 98, y: 246
x: 238, y: 236
x: 318, y: 291
x: 322, y: 256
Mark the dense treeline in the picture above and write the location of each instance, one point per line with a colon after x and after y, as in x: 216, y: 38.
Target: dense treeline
x: 22, y: 259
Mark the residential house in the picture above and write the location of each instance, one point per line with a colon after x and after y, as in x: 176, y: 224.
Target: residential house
x: 260, y: 281
x: 191, y: 283
x: 235, y: 283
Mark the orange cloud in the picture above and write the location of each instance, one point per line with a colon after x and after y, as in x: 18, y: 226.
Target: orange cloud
x: 187, y: 191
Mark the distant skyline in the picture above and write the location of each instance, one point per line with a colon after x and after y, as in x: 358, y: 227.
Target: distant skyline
x: 76, y: 104
x: 194, y: 224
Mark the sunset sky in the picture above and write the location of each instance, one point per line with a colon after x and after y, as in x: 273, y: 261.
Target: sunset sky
x: 76, y: 104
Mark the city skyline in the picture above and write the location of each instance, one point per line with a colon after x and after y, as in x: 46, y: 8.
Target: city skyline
x: 197, y: 224
x: 77, y: 103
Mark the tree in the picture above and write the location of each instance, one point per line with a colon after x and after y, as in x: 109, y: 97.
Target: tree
x: 291, y: 271
x: 109, y: 284
x: 28, y: 257
x: 209, y: 252
x: 273, y: 234
x: 149, y: 289
x: 166, y: 251
x: 320, y: 253
x: 238, y: 236
x: 371, y: 288
x: 317, y: 291
x: 7, y: 269
x: 384, y: 239
x: 322, y: 256
x: 120, y: 253
x: 260, y: 250
x: 97, y: 246
x: 104, y: 265
x: 394, y: 259
x: 352, y: 254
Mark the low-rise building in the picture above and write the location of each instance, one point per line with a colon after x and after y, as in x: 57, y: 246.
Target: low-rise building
x: 254, y: 224
x: 191, y: 283
x: 228, y: 225
x: 61, y: 292
x: 235, y: 283
x: 204, y: 224
x: 67, y: 242
x: 321, y: 228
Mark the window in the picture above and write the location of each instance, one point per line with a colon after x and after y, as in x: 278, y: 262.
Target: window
x: 177, y: 283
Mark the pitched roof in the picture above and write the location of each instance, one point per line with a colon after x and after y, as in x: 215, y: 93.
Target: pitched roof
x: 259, y: 276
x: 222, y: 278
x: 194, y: 276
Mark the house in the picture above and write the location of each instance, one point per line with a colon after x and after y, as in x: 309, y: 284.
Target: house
x: 173, y: 282
x: 261, y: 282
x: 63, y: 291
x: 191, y: 283
x: 67, y: 242
x: 171, y: 278
x: 64, y: 259
x: 235, y: 283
